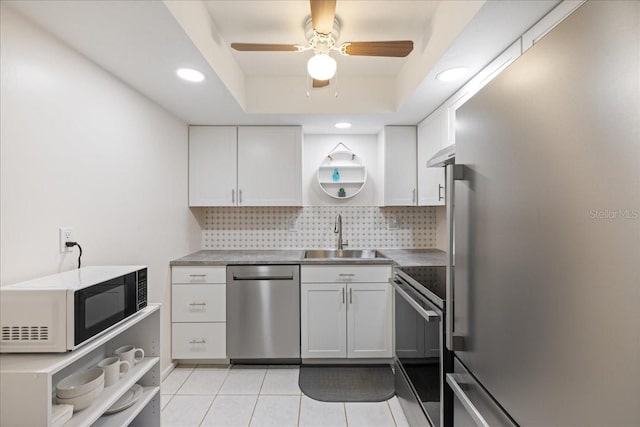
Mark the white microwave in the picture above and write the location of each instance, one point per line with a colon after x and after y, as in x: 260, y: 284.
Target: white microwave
x: 61, y: 312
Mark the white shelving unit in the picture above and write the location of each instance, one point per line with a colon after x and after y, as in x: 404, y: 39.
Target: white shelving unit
x: 351, y: 173
x: 27, y: 381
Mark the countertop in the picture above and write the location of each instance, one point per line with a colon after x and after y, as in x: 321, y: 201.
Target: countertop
x: 401, y: 257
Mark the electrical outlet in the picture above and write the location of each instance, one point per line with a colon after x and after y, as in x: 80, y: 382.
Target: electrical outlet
x: 392, y: 222
x: 66, y: 235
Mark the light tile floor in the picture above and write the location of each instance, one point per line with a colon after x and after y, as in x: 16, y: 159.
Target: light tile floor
x: 269, y: 396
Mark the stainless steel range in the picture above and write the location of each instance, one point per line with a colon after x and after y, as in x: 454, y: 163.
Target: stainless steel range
x: 421, y: 358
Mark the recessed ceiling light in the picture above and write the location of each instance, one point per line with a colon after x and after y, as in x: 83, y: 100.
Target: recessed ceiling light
x: 452, y: 74
x: 190, y: 75
x: 343, y: 125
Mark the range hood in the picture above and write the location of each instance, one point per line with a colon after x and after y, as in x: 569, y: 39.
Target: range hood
x: 446, y: 156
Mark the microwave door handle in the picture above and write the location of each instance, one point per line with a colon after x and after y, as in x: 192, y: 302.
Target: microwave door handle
x: 466, y: 402
x: 453, y: 173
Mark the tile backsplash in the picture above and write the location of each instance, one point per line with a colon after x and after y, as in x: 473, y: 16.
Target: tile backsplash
x: 312, y: 227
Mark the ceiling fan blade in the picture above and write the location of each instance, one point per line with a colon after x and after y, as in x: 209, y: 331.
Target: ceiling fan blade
x: 258, y: 47
x: 323, y: 13
x: 320, y: 83
x: 397, y: 48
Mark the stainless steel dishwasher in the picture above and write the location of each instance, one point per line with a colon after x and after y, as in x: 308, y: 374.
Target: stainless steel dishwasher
x: 263, y: 312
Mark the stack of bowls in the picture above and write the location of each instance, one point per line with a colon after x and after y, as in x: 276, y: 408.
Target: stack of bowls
x: 80, y: 389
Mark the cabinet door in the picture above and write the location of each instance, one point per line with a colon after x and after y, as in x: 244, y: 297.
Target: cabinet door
x: 399, y: 166
x: 369, y: 320
x: 431, y: 138
x: 212, y: 165
x: 323, y: 320
x: 270, y: 166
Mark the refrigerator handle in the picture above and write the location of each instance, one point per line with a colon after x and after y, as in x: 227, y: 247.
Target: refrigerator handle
x: 466, y: 402
x: 452, y: 173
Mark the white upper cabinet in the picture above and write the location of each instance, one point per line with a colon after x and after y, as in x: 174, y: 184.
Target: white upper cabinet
x: 245, y: 166
x: 432, y: 136
x: 212, y: 165
x: 397, y: 148
x: 270, y: 166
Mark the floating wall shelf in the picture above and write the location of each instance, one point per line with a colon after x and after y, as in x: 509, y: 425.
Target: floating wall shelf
x: 341, y: 174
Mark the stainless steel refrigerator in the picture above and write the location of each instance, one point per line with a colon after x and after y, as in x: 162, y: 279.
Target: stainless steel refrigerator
x: 546, y: 280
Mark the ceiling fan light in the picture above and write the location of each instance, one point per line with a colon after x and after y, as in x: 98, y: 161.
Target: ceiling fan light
x: 452, y: 74
x: 321, y: 66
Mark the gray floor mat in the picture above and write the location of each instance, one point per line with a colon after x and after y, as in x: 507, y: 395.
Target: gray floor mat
x: 347, y: 383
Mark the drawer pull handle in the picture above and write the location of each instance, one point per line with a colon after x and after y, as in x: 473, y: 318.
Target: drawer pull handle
x: 198, y: 275
x: 202, y: 341
x: 197, y: 303
x: 346, y: 274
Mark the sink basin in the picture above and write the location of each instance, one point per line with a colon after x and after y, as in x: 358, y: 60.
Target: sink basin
x: 345, y: 253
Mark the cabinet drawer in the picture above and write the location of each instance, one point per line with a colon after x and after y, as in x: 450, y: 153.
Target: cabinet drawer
x: 347, y: 273
x: 198, y: 303
x: 199, y: 275
x: 199, y: 341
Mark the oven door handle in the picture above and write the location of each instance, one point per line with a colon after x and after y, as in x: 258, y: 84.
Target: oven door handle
x: 428, y: 315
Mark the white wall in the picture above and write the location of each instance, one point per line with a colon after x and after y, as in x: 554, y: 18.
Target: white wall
x: 315, y: 150
x: 81, y: 149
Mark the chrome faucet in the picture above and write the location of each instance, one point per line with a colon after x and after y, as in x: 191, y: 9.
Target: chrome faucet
x: 337, y: 228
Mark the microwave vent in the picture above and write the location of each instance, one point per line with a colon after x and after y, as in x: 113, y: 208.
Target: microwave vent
x: 25, y: 333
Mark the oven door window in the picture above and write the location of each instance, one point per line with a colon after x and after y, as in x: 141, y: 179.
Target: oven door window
x: 419, y: 334
x: 101, y: 306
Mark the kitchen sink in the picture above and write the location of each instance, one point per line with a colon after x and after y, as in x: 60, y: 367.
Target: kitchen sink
x: 345, y: 253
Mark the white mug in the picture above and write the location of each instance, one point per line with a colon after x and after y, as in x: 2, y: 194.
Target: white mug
x: 128, y: 353
x: 113, y: 369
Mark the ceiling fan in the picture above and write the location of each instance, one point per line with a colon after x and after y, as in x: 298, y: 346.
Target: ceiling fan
x: 322, y: 31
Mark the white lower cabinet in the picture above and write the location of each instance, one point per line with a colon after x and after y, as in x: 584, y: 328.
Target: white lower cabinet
x: 199, y: 340
x: 323, y: 318
x: 199, y: 303
x: 348, y: 319
x: 198, y: 313
x: 369, y: 320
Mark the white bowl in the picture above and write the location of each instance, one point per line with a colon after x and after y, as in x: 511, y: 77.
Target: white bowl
x: 80, y: 383
x: 83, y: 401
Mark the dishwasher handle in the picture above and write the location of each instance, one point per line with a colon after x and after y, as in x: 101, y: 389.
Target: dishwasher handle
x: 262, y: 277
